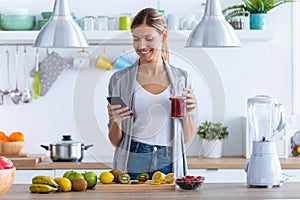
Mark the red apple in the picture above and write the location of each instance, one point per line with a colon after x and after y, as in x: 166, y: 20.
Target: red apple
x: 6, y: 163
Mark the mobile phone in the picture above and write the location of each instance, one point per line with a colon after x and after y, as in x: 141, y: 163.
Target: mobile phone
x: 117, y: 100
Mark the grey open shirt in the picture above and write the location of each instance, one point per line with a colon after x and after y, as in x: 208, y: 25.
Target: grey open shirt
x: 122, y: 83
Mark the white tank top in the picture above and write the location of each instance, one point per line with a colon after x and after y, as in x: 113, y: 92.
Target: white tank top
x: 152, y: 123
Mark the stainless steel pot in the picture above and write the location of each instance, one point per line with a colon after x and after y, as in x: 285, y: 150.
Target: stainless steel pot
x: 66, y: 150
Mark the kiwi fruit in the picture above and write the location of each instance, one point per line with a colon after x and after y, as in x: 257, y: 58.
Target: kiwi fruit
x: 116, y: 173
x: 143, y: 177
x: 123, y: 178
x: 79, y: 184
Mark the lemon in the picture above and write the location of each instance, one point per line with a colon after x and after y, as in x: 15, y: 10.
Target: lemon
x: 106, y: 177
x: 158, y: 177
x: 65, y: 185
x: 58, y: 180
x: 298, y: 149
x: 169, y: 178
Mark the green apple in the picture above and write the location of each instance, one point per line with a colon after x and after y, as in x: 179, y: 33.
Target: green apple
x: 74, y: 175
x: 91, y: 179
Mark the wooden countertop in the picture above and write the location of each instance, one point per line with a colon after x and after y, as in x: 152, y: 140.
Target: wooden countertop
x: 193, y: 163
x: 207, y: 191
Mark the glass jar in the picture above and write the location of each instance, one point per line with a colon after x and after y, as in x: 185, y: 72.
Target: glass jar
x: 112, y: 23
x: 125, y: 21
x: 101, y: 23
x: 87, y: 23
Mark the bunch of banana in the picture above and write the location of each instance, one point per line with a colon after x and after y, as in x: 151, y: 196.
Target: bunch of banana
x: 43, y: 184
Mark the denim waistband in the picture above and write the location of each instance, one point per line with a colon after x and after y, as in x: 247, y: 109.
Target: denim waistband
x: 152, y: 148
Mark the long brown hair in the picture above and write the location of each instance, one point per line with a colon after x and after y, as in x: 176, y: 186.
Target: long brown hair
x: 155, y: 19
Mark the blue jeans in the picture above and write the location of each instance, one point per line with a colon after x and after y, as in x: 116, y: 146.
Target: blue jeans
x: 144, y: 158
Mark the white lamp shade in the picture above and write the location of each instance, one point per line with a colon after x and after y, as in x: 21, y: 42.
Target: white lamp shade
x: 61, y: 31
x: 213, y: 30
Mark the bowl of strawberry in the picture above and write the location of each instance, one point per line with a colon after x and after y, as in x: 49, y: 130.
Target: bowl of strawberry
x: 189, y: 182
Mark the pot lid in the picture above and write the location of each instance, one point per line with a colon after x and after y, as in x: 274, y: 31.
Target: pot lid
x: 66, y: 139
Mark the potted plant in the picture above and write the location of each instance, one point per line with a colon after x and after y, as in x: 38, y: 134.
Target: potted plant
x: 257, y: 9
x: 212, y: 134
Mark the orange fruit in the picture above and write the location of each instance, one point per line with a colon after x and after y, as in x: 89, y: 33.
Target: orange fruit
x: 16, y: 137
x: 3, y: 137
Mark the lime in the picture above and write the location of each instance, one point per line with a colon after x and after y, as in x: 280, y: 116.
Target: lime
x: 106, y: 177
x: 91, y: 179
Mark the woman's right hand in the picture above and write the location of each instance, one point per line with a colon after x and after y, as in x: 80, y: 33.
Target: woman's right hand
x: 117, y: 114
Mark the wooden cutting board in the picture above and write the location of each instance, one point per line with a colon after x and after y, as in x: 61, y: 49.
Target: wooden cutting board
x: 133, y: 187
x: 27, y: 161
x: 21, y: 155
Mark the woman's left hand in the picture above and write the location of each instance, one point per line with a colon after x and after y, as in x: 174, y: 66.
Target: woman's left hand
x: 191, y: 101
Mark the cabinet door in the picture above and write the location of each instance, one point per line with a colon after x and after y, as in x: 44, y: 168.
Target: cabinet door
x: 25, y: 176
x: 220, y: 175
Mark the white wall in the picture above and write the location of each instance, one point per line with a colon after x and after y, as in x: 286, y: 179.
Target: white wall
x: 257, y: 67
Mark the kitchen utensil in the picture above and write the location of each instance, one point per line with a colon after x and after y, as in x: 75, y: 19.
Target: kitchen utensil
x: 125, y: 21
x: 122, y: 63
x: 81, y: 59
x: 50, y: 69
x: 15, y: 94
x: 1, y: 97
x: 17, y: 22
x: 48, y: 14
x: 104, y: 63
x: 36, y: 85
x: 87, y: 23
x: 66, y: 150
x: 266, y: 118
x: 26, y: 93
x: 7, y: 91
x: 101, y: 23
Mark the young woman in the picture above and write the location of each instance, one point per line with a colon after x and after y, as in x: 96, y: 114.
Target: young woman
x: 150, y: 140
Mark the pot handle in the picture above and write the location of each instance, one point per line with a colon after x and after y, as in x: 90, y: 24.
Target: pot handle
x: 46, y: 147
x: 87, y: 146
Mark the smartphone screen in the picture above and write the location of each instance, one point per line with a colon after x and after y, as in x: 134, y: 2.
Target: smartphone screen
x: 117, y: 101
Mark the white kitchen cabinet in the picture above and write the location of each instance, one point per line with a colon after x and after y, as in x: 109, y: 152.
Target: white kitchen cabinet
x: 25, y: 176
x: 220, y: 175
x: 238, y: 175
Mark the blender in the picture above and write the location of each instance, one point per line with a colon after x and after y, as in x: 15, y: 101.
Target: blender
x: 266, y: 118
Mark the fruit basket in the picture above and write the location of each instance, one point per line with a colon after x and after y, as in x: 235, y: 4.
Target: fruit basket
x: 11, y: 148
x: 189, y: 182
x: 6, y: 179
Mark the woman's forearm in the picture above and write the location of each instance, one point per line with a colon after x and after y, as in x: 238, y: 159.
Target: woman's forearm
x: 188, y: 128
x: 115, y: 134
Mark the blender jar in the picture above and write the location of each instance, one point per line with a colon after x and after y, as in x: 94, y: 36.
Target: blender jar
x: 266, y: 118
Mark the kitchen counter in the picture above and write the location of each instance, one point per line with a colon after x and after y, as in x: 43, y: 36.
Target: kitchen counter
x: 207, y: 191
x: 193, y: 163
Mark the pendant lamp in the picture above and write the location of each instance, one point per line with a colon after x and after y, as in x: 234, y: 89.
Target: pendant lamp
x: 213, y: 30
x: 61, y: 31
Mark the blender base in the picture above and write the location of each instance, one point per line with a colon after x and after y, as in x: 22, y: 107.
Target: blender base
x: 263, y: 168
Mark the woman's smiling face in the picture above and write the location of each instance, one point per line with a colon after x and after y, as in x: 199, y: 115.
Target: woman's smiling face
x: 147, y: 42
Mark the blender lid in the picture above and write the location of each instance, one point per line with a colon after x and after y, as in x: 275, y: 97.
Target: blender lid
x: 260, y: 99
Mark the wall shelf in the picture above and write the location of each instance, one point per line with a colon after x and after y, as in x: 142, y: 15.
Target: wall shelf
x: 121, y: 37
